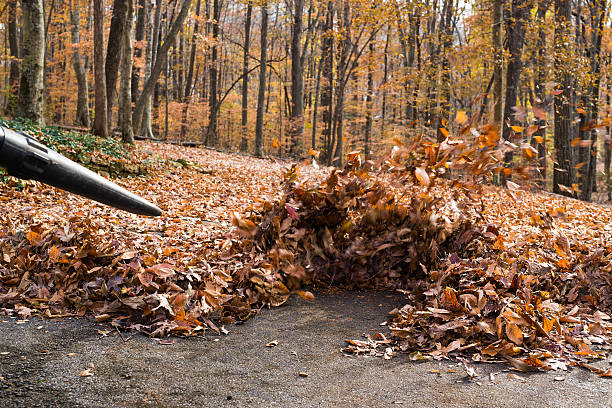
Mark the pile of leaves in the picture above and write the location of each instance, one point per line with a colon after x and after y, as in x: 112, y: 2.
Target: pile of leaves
x: 62, y: 255
x: 504, y: 275
x: 81, y: 267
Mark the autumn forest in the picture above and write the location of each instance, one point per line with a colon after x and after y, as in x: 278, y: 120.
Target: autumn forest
x: 454, y: 154
x: 304, y: 77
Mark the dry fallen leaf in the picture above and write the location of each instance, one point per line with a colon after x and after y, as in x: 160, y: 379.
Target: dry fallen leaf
x: 86, y: 373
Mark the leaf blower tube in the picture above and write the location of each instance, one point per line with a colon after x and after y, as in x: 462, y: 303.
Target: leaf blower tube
x: 26, y: 158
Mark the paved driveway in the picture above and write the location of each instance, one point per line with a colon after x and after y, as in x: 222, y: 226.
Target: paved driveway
x: 40, y: 363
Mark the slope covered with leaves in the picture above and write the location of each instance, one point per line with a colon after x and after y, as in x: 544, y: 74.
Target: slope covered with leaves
x: 494, y: 273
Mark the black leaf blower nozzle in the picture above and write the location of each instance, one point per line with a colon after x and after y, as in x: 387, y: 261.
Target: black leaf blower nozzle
x: 24, y: 157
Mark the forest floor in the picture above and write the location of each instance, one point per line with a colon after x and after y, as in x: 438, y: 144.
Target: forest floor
x: 40, y: 363
x: 292, y: 355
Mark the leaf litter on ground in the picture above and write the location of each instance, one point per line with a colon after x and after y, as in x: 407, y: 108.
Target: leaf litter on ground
x: 489, y: 273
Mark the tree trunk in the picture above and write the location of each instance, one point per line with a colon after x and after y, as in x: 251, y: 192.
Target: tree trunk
x: 13, y: 40
x: 563, y: 172
x: 607, y: 142
x: 127, y: 132
x: 598, y: 12
x: 113, y: 55
x: 343, y: 73
x: 31, y: 86
x: 516, y: 36
x: 139, y: 35
x: 498, y: 63
x: 445, y: 75
x: 189, y: 79
x: 245, y: 77
x: 146, y: 130
x: 541, y: 68
x: 368, y: 124
x: 315, y: 110
x: 82, y: 114
x: 100, y: 125
x: 160, y: 62
x: 212, y: 136
x: 261, y: 95
x: 383, y: 84
x: 296, y: 121
x: 327, y: 51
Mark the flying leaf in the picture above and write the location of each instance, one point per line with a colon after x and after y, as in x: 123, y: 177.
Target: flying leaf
x: 539, y: 112
x: 422, y: 176
x: 305, y: 295
x: 461, y: 117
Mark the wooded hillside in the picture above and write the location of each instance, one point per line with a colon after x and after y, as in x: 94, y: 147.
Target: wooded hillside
x: 307, y: 77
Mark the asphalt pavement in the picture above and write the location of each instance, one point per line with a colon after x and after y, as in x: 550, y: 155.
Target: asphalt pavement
x: 285, y: 357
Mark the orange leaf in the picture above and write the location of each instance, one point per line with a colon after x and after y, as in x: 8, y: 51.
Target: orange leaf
x: 532, y: 129
x: 54, y: 254
x: 422, y: 176
x: 305, y: 295
x: 34, y: 238
x: 529, y: 152
x: 547, y: 324
x: 518, y: 129
x: 461, y: 117
x: 444, y: 132
x: 514, y: 333
x: 538, y: 139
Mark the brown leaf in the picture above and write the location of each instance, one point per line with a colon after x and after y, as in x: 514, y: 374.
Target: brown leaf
x: 514, y: 333
x: 305, y: 295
